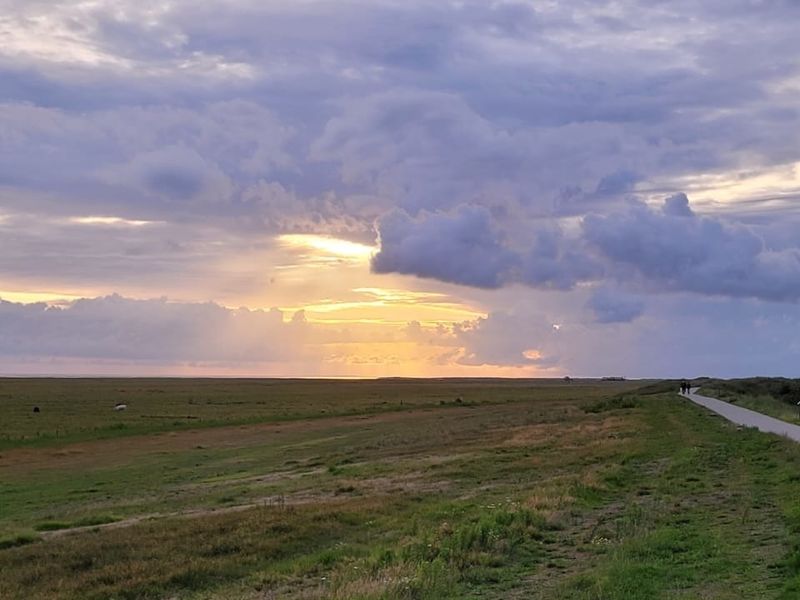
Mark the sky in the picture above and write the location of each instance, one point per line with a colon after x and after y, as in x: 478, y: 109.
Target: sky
x: 349, y: 188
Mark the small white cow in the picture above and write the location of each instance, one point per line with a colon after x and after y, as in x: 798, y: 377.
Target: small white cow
x: 120, y: 407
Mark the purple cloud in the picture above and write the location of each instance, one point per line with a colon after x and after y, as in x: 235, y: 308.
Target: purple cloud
x: 115, y: 327
x: 458, y: 248
x: 685, y: 252
x: 613, y: 306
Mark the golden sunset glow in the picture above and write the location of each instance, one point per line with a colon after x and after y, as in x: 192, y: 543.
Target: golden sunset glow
x: 389, y: 306
x: 532, y: 354
x: 29, y: 297
x: 323, y: 246
x: 407, y: 358
x: 109, y: 221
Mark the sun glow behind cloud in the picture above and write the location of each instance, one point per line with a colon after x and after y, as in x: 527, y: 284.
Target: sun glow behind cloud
x: 337, y: 263
x: 334, y: 267
x: 34, y: 296
x: 322, y: 247
x: 318, y: 255
x: 388, y: 306
x: 49, y: 40
x: 768, y: 188
x: 110, y: 221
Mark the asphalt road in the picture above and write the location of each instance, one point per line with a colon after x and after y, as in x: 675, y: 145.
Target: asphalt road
x: 745, y: 416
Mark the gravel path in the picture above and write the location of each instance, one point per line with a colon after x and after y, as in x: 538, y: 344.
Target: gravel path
x: 745, y: 416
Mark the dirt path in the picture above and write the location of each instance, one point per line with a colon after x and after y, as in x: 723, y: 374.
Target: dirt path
x: 745, y: 416
x: 373, y: 487
x: 274, y: 502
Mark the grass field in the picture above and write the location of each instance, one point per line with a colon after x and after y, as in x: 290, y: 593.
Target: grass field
x: 398, y: 490
x: 82, y: 409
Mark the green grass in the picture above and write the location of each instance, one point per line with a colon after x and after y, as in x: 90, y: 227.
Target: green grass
x: 532, y: 491
x: 73, y: 410
x: 614, y: 403
x: 17, y: 540
x: 777, y: 397
x: 88, y: 521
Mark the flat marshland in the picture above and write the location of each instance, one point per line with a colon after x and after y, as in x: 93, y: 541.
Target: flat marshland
x: 395, y: 489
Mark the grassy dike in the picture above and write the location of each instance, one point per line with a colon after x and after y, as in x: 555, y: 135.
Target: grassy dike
x: 773, y: 396
x: 632, y: 495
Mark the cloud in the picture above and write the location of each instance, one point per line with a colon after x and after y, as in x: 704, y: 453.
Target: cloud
x: 557, y: 262
x: 115, y: 327
x: 174, y: 173
x: 465, y: 247
x: 613, y: 306
x: 457, y: 248
x: 419, y: 106
x: 619, y: 182
x: 682, y: 336
x: 426, y: 149
x: 685, y: 252
x: 112, y: 156
x: 671, y: 249
x: 677, y: 206
x: 503, y: 338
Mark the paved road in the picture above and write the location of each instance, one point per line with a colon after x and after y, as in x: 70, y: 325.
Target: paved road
x: 745, y: 416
